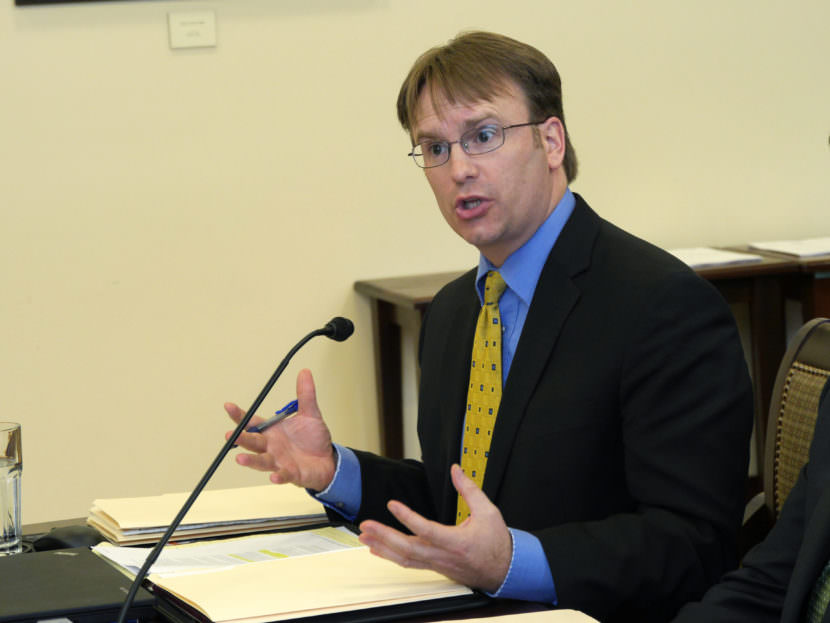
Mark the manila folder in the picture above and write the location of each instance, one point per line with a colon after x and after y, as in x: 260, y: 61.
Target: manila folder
x: 302, y: 586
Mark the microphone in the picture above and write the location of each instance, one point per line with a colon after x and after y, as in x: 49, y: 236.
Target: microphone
x: 338, y: 329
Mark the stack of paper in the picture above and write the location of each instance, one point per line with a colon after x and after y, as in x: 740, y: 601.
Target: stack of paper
x: 698, y: 257
x: 808, y: 247
x: 288, y: 575
x: 333, y: 582
x: 137, y: 521
x: 281, y: 576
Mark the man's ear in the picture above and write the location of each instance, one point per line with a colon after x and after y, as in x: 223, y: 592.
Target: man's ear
x: 553, y: 140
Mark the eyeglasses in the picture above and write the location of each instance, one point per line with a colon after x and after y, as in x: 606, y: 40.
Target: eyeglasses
x: 479, y: 140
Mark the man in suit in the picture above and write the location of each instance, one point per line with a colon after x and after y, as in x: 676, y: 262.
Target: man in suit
x: 779, y: 578
x: 617, y: 454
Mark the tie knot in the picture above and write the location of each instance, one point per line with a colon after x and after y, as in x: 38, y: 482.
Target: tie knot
x: 494, y: 287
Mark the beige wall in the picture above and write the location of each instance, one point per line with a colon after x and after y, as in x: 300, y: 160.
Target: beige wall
x: 173, y: 221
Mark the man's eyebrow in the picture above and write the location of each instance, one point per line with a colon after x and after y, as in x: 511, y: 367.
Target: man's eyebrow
x: 468, y: 125
x: 425, y: 136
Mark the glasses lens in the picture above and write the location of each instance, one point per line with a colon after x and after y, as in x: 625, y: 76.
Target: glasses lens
x: 482, y: 139
x: 431, y: 153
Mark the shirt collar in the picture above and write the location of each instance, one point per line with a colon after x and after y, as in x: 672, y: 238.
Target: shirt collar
x: 522, y: 268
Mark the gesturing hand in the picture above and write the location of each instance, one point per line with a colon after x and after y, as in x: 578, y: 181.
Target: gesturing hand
x: 475, y: 553
x: 297, y: 450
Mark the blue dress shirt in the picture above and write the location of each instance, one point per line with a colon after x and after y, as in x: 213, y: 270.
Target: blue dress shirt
x: 529, y: 577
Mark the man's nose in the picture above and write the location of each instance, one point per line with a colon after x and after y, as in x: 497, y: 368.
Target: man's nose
x: 461, y: 164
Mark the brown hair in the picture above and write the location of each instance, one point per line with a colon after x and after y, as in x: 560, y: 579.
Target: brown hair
x: 475, y: 66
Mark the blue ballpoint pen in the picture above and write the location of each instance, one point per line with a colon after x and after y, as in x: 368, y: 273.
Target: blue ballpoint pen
x: 289, y: 409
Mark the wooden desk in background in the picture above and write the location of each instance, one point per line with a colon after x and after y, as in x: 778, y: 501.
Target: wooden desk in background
x: 808, y: 283
x: 397, y: 303
x: 805, y: 280
x: 400, y: 302
x: 812, y: 286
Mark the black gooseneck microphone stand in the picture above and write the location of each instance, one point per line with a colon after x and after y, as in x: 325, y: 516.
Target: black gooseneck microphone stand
x: 337, y: 329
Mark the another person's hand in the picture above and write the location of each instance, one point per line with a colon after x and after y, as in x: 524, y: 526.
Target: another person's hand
x: 298, y: 449
x: 475, y: 553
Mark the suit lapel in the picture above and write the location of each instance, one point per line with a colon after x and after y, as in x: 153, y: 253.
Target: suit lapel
x: 554, y: 298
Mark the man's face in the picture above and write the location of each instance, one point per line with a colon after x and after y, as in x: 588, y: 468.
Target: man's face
x: 496, y: 200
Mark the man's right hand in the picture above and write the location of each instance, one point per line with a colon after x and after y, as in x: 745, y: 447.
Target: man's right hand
x: 298, y: 449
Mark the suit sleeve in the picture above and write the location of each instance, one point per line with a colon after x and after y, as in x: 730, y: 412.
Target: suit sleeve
x: 758, y: 590
x: 685, y: 408
x: 385, y: 479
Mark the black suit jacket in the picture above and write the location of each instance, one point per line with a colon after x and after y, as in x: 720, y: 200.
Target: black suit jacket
x: 622, y: 435
x: 778, y: 575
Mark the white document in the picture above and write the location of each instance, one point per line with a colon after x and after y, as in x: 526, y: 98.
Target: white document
x: 807, y: 247
x: 225, y: 553
x: 698, y: 257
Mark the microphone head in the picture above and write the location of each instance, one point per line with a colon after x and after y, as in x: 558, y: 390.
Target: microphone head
x: 339, y: 329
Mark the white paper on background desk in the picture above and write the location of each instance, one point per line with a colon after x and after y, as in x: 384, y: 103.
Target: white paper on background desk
x: 212, y: 555
x: 698, y: 257
x: 800, y: 248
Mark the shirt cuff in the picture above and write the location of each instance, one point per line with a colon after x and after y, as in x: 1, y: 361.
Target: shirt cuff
x: 528, y: 577
x: 344, y: 492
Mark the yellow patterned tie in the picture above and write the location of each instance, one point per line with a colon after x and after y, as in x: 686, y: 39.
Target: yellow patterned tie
x: 484, y: 393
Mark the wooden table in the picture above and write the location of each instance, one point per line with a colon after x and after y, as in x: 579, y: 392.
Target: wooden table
x: 812, y: 286
x: 399, y: 304
x: 762, y: 287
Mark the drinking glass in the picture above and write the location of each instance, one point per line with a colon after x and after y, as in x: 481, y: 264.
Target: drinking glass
x: 11, y: 468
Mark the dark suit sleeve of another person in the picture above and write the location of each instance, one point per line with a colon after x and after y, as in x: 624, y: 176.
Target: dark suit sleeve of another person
x: 622, y: 436
x: 763, y: 590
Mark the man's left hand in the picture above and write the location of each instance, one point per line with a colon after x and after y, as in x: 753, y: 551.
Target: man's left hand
x: 475, y: 553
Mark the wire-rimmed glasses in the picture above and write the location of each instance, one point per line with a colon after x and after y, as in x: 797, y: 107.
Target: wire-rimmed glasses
x: 480, y: 140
